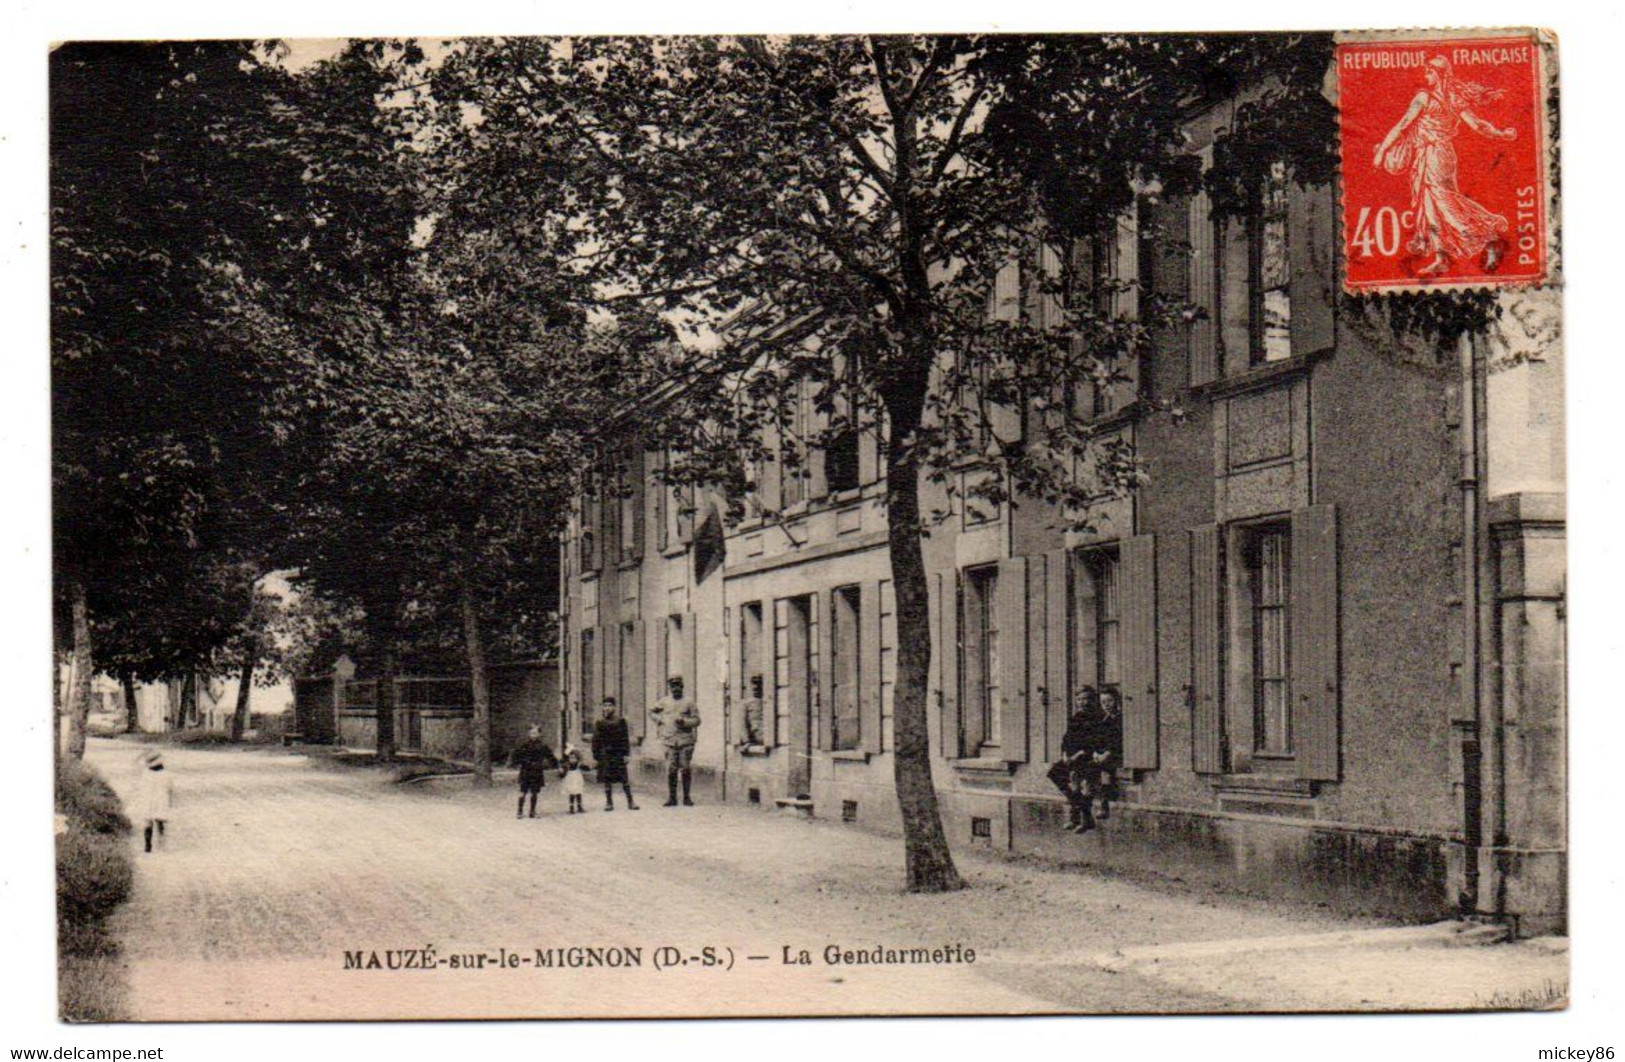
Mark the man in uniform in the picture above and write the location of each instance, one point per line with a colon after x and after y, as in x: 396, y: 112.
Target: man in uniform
x: 675, y: 724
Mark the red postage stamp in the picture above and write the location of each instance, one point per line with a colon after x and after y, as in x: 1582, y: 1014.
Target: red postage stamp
x: 1443, y: 162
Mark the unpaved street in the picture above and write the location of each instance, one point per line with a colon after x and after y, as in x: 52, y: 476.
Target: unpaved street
x: 277, y: 864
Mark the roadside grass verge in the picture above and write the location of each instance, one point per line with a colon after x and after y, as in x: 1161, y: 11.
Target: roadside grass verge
x: 93, y: 876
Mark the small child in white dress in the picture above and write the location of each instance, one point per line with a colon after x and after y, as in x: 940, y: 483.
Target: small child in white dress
x: 155, y: 795
x: 575, y: 784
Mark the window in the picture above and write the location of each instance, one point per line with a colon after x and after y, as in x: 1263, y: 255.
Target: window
x: 590, y: 511
x: 845, y: 722
x: 1271, y: 270
x: 1094, y: 274
x: 673, y: 655
x: 979, y: 663
x: 841, y: 460
x: 1265, y: 558
x: 751, y: 680
x: 1095, y: 621
x: 629, y: 508
x: 1004, y: 303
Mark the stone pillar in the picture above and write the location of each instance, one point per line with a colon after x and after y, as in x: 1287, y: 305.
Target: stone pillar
x: 1526, y: 861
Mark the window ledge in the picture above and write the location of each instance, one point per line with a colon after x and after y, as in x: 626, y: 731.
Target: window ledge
x: 1273, y: 784
x: 985, y: 764
x: 755, y: 750
x: 1258, y: 377
x: 850, y: 755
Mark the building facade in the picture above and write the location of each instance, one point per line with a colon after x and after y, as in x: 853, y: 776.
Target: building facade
x: 1334, y: 611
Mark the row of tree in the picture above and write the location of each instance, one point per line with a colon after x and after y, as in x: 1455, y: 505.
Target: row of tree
x: 366, y: 320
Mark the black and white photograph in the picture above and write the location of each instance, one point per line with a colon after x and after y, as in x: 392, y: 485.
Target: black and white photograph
x: 786, y: 526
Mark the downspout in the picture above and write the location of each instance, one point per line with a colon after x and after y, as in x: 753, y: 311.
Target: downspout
x: 564, y: 614
x: 1471, y: 713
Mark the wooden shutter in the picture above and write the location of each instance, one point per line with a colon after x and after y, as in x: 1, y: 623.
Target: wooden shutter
x: 1314, y: 633
x: 1207, y: 722
x: 634, y: 702
x: 770, y: 478
x: 1312, y: 247
x: 801, y: 680
x: 1037, y: 662
x: 1056, y: 629
x: 690, y: 661
x: 947, y: 652
x: 823, y: 718
x: 1012, y: 614
x: 636, y: 482
x: 1139, y: 633
x: 612, y: 661
x: 869, y: 667
x: 657, y: 503
x: 1204, y: 347
x: 1235, y: 297
x: 733, y: 629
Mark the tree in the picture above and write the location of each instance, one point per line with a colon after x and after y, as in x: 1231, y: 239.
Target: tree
x: 154, y: 187
x: 847, y: 204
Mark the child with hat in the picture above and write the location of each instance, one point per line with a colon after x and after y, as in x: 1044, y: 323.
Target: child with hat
x: 155, y: 794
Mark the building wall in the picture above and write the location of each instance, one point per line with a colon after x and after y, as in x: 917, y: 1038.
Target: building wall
x: 1355, y: 443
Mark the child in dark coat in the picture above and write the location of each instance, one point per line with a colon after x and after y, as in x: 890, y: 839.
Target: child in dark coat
x: 534, y: 759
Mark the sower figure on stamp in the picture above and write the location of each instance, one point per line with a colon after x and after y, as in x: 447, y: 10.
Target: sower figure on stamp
x: 534, y: 759
x: 611, y: 745
x: 156, y: 795
x: 675, y: 723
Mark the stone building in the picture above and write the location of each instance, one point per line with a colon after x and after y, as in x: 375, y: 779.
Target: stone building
x: 1334, y: 612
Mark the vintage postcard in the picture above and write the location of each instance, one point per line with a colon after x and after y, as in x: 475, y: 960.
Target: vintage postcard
x: 608, y: 527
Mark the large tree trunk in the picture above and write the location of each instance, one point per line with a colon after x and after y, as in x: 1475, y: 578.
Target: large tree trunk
x: 245, y: 684
x: 930, y: 866
x: 79, y: 692
x: 479, y: 686
x: 132, y: 710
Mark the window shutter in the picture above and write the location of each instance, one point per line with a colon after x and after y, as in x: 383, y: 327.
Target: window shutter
x: 1314, y: 634
x: 634, y: 698
x: 823, y: 717
x: 612, y: 665
x: 1037, y: 658
x: 800, y: 689
x: 947, y: 653
x: 572, y: 671
x: 1139, y: 619
x: 1312, y: 246
x: 869, y: 667
x: 1048, y: 303
x: 1204, y: 354
x: 657, y: 503
x: 1235, y: 297
x: 690, y: 650
x: 733, y: 629
x: 1055, y: 636
x: 1012, y: 615
x: 636, y: 482
x: 1207, y: 740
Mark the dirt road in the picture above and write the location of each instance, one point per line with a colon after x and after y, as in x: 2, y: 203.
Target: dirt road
x: 280, y: 871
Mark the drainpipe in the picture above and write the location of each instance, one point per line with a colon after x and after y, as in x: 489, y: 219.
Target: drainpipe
x: 564, y: 614
x: 1470, y: 716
